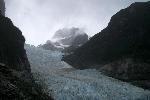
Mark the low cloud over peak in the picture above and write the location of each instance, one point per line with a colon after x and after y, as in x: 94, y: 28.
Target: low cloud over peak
x: 40, y: 19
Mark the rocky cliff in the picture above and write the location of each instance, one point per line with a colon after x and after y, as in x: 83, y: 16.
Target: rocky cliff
x: 121, y: 50
x: 16, y: 82
x: 2, y: 7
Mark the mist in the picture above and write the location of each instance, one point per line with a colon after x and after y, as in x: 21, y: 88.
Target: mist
x: 40, y: 19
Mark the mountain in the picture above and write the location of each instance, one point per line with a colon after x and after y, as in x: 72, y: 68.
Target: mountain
x: 16, y: 81
x: 121, y: 50
x: 68, y: 36
x: 66, y: 39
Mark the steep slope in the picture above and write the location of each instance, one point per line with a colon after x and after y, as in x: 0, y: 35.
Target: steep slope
x: 16, y: 82
x: 2, y: 7
x: 122, y: 48
x: 78, y: 41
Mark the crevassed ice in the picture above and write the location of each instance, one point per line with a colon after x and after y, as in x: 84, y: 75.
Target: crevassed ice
x: 66, y: 83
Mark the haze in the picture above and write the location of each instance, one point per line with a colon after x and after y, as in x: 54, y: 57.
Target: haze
x: 40, y: 19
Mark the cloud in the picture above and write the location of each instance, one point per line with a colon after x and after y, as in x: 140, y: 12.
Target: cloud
x: 40, y: 19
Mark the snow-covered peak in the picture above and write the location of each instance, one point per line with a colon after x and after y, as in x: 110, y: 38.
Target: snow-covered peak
x: 66, y: 36
x: 67, y: 33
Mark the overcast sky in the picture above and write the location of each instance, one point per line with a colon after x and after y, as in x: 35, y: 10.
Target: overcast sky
x: 40, y: 19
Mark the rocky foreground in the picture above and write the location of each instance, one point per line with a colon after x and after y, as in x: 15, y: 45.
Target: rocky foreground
x: 16, y: 81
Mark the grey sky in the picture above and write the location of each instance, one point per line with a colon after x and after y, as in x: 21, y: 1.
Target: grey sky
x: 39, y: 19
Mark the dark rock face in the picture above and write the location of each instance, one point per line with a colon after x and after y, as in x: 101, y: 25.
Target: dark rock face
x: 127, y: 69
x: 12, y: 51
x: 80, y: 40
x: 2, y: 7
x: 76, y: 43
x: 127, y: 36
x: 16, y: 82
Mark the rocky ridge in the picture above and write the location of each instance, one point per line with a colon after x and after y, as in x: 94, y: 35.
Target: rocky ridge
x: 121, y: 50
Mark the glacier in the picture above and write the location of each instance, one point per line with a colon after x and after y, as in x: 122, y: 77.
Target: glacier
x: 63, y: 82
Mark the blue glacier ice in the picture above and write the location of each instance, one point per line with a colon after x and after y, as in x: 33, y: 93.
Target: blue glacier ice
x: 63, y: 82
